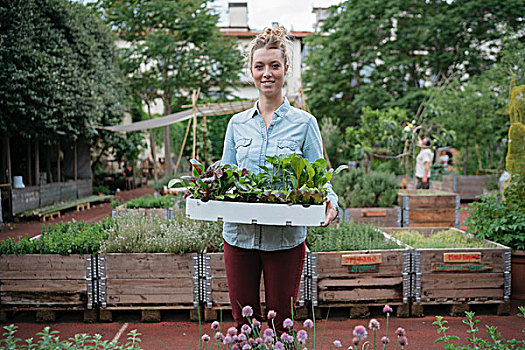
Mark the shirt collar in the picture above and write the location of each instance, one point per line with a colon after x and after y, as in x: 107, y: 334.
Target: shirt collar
x: 280, y: 112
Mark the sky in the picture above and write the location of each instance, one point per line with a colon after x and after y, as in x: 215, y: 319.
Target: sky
x: 292, y: 14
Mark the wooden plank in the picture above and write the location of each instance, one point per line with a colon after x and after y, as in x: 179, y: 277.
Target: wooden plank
x: 324, y: 284
x: 360, y: 259
x: 114, y: 300
x: 47, y: 286
x: 38, y: 299
x: 44, y: 274
x: 441, y: 224
x: 150, y: 286
x: 43, y: 261
x: 462, y: 281
x: 333, y: 259
x: 372, y: 213
x: 148, y: 261
x: 432, y: 214
x: 386, y: 217
x: 462, y: 293
x: 495, y: 257
x: 359, y: 294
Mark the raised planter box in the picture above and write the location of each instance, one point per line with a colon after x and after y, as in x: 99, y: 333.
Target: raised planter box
x: 384, y: 217
x: 47, y: 280
x: 162, y: 213
x: 149, y: 279
x: 368, y: 277
x: 255, y: 213
x: 469, y: 187
x: 428, y: 208
x: 459, y: 274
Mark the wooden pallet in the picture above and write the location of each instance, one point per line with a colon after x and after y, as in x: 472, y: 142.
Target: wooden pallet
x: 428, y: 208
x: 363, y: 309
x: 458, y: 307
x: 46, y: 315
x: 151, y: 313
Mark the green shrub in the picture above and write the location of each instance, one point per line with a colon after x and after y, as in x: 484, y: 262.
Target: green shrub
x: 501, y: 221
x: 101, y: 189
x: 148, y: 201
x: 358, y: 189
x: 440, y: 239
x: 348, y: 236
x: 74, y: 237
x: 137, y: 233
x: 161, y: 183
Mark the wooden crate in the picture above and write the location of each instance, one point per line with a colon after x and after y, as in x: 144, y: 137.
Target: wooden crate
x: 428, y: 208
x: 468, y: 187
x: 362, y: 276
x: 217, y: 294
x: 459, y: 274
x: 162, y: 213
x: 384, y: 217
x: 43, y: 280
x: 149, y: 279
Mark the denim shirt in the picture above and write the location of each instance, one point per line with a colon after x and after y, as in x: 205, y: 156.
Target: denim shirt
x: 247, y: 143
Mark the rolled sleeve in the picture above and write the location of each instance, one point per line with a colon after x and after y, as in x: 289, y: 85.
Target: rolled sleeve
x: 228, y: 152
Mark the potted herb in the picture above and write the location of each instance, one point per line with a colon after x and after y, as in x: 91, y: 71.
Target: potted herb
x: 289, y: 192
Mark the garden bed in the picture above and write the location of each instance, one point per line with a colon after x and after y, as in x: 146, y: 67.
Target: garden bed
x: 465, y: 269
x: 44, y: 280
x: 468, y: 187
x: 384, y: 217
x: 428, y: 208
x: 365, y: 267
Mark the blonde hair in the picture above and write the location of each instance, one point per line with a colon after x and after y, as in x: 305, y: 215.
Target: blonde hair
x: 272, y: 38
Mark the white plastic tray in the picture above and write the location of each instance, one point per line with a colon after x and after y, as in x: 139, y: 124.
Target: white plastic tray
x: 255, y: 213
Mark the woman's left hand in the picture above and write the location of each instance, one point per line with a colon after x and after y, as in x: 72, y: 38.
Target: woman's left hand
x: 331, y: 213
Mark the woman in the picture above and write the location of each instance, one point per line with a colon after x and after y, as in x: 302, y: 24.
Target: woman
x: 271, y: 127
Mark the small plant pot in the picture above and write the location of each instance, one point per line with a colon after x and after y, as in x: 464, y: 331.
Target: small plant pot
x: 256, y: 213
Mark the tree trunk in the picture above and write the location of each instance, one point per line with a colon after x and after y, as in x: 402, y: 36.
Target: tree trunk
x: 167, y: 141
x: 153, y: 152
x: 465, y: 159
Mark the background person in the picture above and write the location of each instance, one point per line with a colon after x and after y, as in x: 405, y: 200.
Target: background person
x: 423, y: 163
x: 271, y: 127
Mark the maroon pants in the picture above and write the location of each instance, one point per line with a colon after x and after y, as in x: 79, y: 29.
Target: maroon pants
x: 282, y: 271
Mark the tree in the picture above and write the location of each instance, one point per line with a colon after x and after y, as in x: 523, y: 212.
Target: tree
x: 384, y: 54
x: 174, y: 48
x: 59, y: 71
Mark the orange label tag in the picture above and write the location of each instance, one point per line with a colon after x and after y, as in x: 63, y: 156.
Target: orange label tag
x: 360, y: 259
x: 462, y: 257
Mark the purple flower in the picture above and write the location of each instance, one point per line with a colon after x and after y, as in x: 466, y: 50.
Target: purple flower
x: 403, y: 341
x: 374, y: 324
x: 246, y: 329
x: 360, y: 332
x: 302, y: 336
x: 308, y: 323
x: 227, y: 339
x: 278, y: 346
x: 246, y: 347
x: 232, y: 331
x: 256, y: 324
x: 385, y: 340
x: 241, y: 337
x: 218, y: 336
x: 258, y: 340
x: 268, y: 332
x: 206, y: 338
x: 286, y: 338
x: 288, y: 323
x: 355, y: 340
x: 247, y: 311
x: 271, y: 314
x: 337, y: 344
x: 235, y: 347
x: 400, y: 332
x: 387, y: 308
x: 268, y: 340
x: 215, y: 325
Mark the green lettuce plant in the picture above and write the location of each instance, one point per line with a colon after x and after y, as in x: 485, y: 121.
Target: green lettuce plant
x: 289, y: 179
